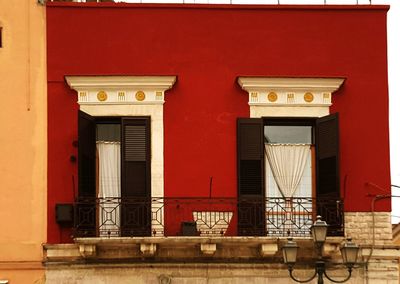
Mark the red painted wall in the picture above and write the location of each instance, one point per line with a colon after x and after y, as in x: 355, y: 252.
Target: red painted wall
x: 208, y: 47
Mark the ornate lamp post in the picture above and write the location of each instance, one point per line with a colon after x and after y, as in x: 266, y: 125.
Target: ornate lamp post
x: 319, y: 229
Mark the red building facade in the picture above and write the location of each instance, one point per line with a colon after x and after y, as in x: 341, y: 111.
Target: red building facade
x: 185, y: 141
x: 206, y: 49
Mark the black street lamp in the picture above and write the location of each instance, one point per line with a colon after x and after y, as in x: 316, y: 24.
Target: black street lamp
x: 319, y: 229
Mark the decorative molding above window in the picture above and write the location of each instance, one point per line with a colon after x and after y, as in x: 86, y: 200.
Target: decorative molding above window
x: 120, y: 90
x: 280, y: 91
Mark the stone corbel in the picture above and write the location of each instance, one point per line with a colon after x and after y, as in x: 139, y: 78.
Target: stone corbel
x: 268, y: 249
x: 87, y: 251
x: 330, y: 249
x: 208, y: 249
x: 148, y: 249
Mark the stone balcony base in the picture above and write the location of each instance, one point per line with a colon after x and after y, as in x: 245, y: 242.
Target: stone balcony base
x: 205, y: 260
x: 173, y: 249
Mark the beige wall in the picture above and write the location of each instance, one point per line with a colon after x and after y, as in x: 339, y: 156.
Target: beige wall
x: 23, y: 140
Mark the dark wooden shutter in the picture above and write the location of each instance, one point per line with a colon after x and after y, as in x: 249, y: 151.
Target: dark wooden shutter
x: 86, y: 209
x: 136, y: 177
x: 250, y: 159
x: 327, y: 163
x: 327, y: 145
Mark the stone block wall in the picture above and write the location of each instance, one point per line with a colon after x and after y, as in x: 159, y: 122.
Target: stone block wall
x: 359, y: 226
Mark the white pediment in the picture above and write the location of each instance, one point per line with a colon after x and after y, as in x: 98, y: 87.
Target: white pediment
x: 103, y: 90
x: 282, y: 91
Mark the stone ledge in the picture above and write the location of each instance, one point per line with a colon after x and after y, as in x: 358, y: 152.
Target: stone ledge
x: 381, y: 252
x: 21, y: 265
x: 192, y: 249
x: 61, y: 251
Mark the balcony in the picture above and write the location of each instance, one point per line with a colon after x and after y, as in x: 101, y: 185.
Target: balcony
x: 204, y: 217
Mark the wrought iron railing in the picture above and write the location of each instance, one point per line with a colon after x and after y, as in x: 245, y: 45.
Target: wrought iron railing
x: 276, y: 217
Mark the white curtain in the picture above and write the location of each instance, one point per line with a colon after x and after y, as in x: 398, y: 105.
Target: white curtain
x: 287, y: 163
x: 305, y: 186
x: 109, y: 186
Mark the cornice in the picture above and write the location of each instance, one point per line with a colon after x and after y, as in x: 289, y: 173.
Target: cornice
x: 290, y: 84
x: 288, y: 91
x: 120, y: 90
x: 120, y: 82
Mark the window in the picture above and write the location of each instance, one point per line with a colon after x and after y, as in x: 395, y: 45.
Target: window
x: 254, y: 169
x: 131, y: 101
x: 114, y: 165
x: 289, y: 174
x: 289, y: 153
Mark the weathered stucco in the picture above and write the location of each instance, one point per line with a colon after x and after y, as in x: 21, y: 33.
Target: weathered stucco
x: 23, y: 140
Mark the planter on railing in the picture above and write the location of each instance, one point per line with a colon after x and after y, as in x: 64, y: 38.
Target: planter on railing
x: 212, y: 223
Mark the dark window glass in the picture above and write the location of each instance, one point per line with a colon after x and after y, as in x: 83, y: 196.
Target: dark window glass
x: 287, y: 134
x: 108, y: 132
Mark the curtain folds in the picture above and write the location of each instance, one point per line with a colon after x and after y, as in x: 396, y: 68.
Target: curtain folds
x: 109, y: 169
x: 287, y: 162
x: 109, y: 186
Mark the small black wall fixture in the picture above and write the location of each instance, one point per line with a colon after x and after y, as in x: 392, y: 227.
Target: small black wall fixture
x: 65, y: 214
x: 189, y: 229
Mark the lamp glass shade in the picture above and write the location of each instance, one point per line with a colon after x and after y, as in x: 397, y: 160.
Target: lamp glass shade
x: 349, y: 253
x: 319, y: 230
x: 290, y: 252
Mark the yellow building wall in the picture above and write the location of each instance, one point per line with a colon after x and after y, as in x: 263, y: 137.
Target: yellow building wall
x: 23, y: 140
